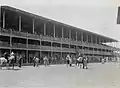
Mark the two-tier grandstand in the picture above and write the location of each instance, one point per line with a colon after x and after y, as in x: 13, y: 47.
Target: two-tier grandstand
x: 32, y: 35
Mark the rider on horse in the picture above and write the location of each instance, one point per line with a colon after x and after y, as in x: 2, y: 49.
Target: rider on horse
x: 6, y: 56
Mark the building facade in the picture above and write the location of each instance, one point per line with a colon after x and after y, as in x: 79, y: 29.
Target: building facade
x: 32, y: 35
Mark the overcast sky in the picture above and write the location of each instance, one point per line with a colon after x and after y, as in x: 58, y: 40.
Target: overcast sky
x: 98, y: 16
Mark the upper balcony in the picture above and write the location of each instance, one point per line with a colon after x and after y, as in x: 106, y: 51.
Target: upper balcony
x: 31, y: 46
x: 5, y: 32
x: 19, y: 45
x: 4, y: 44
x: 34, y: 36
x: 46, y: 38
x: 19, y: 34
x: 45, y: 48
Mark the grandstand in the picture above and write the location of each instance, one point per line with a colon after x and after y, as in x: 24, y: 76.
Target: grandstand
x: 32, y: 35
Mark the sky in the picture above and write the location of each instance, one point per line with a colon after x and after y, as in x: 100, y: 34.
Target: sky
x: 99, y: 16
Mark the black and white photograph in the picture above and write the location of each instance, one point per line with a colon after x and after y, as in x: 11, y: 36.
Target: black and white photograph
x: 59, y: 43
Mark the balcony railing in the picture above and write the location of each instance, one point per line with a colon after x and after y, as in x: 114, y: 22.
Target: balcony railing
x: 5, y: 31
x: 47, y: 38
x: 18, y: 45
x: 17, y: 33
x: 46, y: 48
x: 33, y: 36
x: 65, y: 40
x: 58, y: 49
x: 31, y: 46
x: 4, y: 44
x: 56, y: 39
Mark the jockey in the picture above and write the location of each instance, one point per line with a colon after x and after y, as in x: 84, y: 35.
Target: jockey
x: 6, y: 56
x: 67, y: 59
x: 12, y: 54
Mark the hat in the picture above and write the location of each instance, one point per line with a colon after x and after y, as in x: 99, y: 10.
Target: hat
x: 12, y: 53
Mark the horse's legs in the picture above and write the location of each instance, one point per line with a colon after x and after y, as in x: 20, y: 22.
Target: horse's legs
x: 13, y: 64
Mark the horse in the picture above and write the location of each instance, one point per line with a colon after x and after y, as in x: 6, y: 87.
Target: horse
x: 85, y: 61
x: 79, y: 61
x: 11, y: 60
x: 46, y: 61
x: 69, y: 60
x: 36, y: 61
x: 3, y: 61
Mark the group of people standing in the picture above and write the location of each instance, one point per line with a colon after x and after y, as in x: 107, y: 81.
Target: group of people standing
x: 79, y: 61
x: 18, y: 59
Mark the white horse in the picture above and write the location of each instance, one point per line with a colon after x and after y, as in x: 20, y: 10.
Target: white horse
x: 36, y: 61
x: 46, y: 61
x: 79, y: 61
x: 69, y: 60
x: 2, y: 61
x: 11, y: 60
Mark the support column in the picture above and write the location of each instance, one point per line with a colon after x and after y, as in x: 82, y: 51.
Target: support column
x: 86, y: 37
x: 76, y: 36
x: 92, y: 43
x: 69, y: 34
x: 82, y: 41
x: 19, y: 23
x: 44, y: 28
x: 96, y: 39
x: 54, y: 30
x: 76, y: 39
x: 27, y: 51
x: 3, y: 19
x: 33, y: 21
x: 10, y: 38
x: 82, y: 37
x: 27, y: 56
x: 69, y: 39
x: 62, y: 32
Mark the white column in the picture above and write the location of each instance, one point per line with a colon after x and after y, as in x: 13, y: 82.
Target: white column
x: 44, y: 28
x: 4, y: 19
x: 33, y: 21
x: 81, y: 36
x: 76, y: 36
x: 69, y: 34
x: 62, y: 33
x: 86, y: 37
x: 54, y: 29
x: 19, y: 23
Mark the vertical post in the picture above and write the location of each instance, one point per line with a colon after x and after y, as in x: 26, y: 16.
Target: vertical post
x: 44, y: 28
x: 19, y: 23
x: 86, y: 37
x: 69, y: 38
x: 27, y: 50
x: 91, y: 38
x: 62, y: 33
x: 82, y: 41
x: 82, y: 37
x: 27, y: 56
x: 3, y: 19
x: 76, y: 36
x: 54, y: 30
x: 96, y: 39
x: 69, y: 34
x: 33, y: 21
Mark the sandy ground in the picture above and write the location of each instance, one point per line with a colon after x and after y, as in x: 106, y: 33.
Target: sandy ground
x: 59, y: 76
